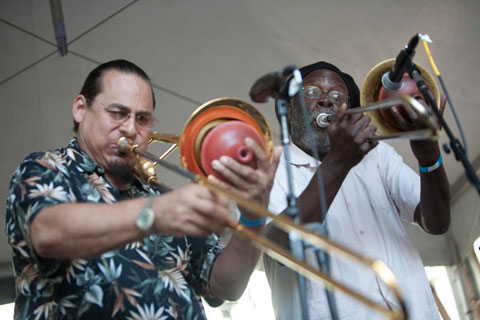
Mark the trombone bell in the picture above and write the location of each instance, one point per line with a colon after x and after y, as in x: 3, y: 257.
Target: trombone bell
x: 218, y: 127
x: 373, y: 93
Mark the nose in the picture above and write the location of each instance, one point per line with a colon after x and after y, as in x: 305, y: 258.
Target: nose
x: 324, y: 101
x: 128, y: 127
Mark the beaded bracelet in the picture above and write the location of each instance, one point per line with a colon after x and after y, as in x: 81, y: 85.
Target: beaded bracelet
x: 433, y: 167
x: 251, y: 223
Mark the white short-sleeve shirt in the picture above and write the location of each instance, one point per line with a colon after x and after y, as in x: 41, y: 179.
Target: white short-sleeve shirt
x: 365, y: 216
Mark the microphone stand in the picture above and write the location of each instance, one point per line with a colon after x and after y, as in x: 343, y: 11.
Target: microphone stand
x: 323, y: 259
x: 297, y: 245
x: 455, y: 144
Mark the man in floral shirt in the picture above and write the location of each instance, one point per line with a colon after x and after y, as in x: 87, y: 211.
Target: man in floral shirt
x: 81, y: 246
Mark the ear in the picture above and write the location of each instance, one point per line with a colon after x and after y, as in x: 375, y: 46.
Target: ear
x: 79, y: 108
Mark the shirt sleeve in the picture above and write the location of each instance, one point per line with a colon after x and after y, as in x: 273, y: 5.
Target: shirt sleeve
x: 36, y: 185
x: 402, y: 183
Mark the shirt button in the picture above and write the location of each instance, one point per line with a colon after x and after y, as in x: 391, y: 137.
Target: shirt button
x: 361, y: 232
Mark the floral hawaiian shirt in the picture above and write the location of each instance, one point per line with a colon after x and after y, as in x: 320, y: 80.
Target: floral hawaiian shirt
x: 160, y: 277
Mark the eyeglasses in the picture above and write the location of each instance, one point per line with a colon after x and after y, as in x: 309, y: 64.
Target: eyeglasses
x: 313, y: 92
x: 121, y: 114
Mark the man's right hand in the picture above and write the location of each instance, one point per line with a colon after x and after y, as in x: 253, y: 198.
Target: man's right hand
x: 191, y: 210
x: 349, y: 139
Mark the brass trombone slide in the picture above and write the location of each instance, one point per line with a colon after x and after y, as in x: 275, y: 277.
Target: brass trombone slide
x: 278, y: 253
x: 430, y: 132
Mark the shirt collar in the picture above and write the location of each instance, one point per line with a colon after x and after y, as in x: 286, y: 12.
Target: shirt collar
x: 300, y: 158
x: 89, y: 166
x: 83, y: 160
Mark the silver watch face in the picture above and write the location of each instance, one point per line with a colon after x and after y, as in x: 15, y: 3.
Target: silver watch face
x: 145, y: 220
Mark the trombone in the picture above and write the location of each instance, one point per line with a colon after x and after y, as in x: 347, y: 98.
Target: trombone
x: 146, y: 162
x: 431, y: 131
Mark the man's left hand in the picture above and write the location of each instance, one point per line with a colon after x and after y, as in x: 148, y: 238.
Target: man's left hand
x: 426, y: 150
x: 248, y: 182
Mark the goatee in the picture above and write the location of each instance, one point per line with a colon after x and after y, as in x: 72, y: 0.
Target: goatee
x: 122, y: 172
x: 304, y: 140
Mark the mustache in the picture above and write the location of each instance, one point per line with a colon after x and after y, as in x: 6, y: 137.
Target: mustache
x: 312, y: 116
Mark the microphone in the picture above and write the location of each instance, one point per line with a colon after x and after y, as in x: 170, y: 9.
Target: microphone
x: 271, y: 85
x: 392, y: 80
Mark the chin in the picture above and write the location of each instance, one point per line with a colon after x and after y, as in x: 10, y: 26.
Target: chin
x: 120, y: 159
x: 323, y: 149
x: 122, y: 169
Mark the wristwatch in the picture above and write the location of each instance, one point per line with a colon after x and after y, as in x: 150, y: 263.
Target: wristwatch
x: 146, y: 217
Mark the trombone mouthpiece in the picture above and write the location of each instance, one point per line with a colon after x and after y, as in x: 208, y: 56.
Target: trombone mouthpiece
x: 323, y: 120
x: 124, y: 144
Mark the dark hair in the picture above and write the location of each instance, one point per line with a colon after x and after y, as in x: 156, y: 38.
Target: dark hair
x: 93, y: 84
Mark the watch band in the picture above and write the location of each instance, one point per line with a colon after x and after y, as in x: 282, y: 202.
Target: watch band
x: 251, y: 223
x: 433, y: 167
